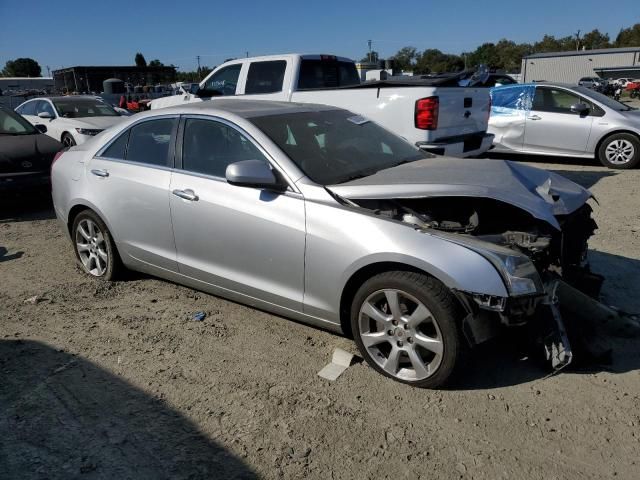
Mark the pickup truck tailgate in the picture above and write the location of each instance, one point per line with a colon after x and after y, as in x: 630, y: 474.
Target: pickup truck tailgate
x: 462, y: 111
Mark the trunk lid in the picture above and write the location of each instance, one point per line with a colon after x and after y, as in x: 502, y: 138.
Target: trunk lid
x: 27, y: 153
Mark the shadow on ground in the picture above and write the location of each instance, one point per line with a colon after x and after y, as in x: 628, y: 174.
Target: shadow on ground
x: 64, y: 417
x: 506, y: 361
x: 26, y: 206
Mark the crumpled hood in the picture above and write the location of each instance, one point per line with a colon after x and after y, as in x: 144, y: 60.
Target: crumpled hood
x: 543, y: 194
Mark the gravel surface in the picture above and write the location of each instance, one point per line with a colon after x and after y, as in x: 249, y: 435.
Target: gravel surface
x: 115, y: 380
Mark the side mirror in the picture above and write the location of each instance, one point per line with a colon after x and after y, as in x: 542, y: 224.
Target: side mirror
x: 45, y: 115
x: 41, y: 128
x: 579, y: 108
x: 252, y: 173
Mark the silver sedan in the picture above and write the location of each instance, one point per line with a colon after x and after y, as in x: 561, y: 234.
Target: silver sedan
x: 565, y: 120
x: 320, y: 215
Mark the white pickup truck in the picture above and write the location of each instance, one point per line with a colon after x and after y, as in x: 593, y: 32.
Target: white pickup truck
x: 434, y: 114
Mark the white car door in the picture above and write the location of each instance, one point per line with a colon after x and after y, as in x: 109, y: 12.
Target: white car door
x: 552, y: 128
x: 28, y: 111
x: 52, y: 123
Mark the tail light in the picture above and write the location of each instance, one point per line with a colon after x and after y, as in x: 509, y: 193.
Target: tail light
x: 56, y: 157
x: 426, y: 115
x: 489, y: 108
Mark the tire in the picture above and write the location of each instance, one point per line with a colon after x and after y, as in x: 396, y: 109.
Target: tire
x: 95, y: 249
x: 423, y: 354
x: 620, y: 151
x: 67, y: 140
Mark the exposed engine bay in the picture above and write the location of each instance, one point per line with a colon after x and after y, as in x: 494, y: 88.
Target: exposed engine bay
x: 559, y: 256
x: 562, y: 252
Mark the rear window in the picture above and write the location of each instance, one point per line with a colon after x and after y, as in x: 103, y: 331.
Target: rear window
x: 149, y: 142
x: 265, y: 77
x: 318, y: 74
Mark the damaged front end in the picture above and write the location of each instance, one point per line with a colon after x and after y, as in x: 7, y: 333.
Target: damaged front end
x: 544, y: 267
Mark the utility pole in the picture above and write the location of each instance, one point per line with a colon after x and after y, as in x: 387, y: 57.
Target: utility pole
x: 577, y: 40
x: 369, y: 42
x: 48, y: 71
x: 198, y: 58
x: 247, y: 54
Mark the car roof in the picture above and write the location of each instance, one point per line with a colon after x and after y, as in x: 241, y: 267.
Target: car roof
x: 65, y: 97
x: 246, y: 108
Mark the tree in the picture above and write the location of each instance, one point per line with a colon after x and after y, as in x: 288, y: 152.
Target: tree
x: 629, y: 37
x: 374, y: 57
x: 595, y: 39
x: 22, y: 67
x: 140, y: 60
x: 433, y: 60
x: 486, y: 54
x: 405, y: 58
x: 156, y: 63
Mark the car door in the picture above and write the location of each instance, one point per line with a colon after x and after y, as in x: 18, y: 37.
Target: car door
x: 129, y: 182
x: 551, y: 127
x: 509, y: 107
x: 239, y: 239
x: 50, y: 123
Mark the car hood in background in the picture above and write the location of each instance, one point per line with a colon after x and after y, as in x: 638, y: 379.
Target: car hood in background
x: 100, y: 123
x: 24, y: 153
x: 542, y: 194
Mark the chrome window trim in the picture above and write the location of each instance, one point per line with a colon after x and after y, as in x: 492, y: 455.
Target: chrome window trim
x: 99, y: 153
x: 274, y: 164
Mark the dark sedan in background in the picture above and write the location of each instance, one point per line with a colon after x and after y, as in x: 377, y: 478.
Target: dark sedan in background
x: 25, y: 152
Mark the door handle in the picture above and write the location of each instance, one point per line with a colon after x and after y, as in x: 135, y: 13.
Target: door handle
x: 534, y: 117
x: 187, y: 194
x: 100, y: 173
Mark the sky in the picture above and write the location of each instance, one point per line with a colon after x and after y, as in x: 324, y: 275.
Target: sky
x: 87, y: 32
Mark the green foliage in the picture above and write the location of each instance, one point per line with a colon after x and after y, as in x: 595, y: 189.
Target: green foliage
x: 629, y: 37
x: 140, y: 60
x: 506, y: 55
x: 22, y: 67
x: 156, y: 63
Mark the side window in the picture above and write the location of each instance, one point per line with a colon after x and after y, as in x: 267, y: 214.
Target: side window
x: 210, y: 146
x: 43, y: 106
x: 149, y: 142
x: 509, y: 98
x: 28, y: 109
x: 117, y: 149
x: 553, y: 100
x: 225, y: 81
x: 265, y: 77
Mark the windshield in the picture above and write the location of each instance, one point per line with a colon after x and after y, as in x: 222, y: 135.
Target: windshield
x: 74, y: 108
x: 13, y: 124
x: 336, y: 146
x: 603, y: 99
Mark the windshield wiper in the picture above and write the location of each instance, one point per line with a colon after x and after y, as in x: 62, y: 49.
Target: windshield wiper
x: 357, y: 175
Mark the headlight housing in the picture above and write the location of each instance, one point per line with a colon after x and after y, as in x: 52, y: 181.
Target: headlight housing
x: 518, y: 272
x: 88, y: 131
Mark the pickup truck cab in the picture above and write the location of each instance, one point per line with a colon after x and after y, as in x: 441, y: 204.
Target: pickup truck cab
x: 434, y: 114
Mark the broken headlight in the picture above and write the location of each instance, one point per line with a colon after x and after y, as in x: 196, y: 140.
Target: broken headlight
x: 517, y: 270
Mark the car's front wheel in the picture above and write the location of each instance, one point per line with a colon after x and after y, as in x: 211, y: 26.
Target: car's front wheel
x: 620, y: 151
x: 67, y: 140
x: 94, y: 246
x: 408, y: 327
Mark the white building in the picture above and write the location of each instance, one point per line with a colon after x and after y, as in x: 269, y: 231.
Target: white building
x: 569, y: 67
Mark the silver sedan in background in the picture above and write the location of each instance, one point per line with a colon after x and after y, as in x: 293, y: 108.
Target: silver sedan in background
x: 320, y: 215
x: 565, y: 120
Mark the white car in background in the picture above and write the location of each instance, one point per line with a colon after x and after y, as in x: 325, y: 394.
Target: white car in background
x: 72, y: 119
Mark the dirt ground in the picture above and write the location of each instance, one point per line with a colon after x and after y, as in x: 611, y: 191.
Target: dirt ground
x: 114, y: 380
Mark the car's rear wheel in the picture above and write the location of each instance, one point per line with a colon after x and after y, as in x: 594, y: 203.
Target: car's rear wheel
x: 620, y: 151
x: 94, y: 246
x: 67, y: 140
x: 407, y: 327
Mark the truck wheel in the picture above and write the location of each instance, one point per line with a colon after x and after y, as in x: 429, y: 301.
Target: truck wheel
x: 408, y: 327
x: 620, y: 151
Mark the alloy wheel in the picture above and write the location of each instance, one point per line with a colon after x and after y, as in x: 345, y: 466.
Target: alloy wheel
x: 400, y: 334
x: 620, y: 151
x: 91, y: 247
